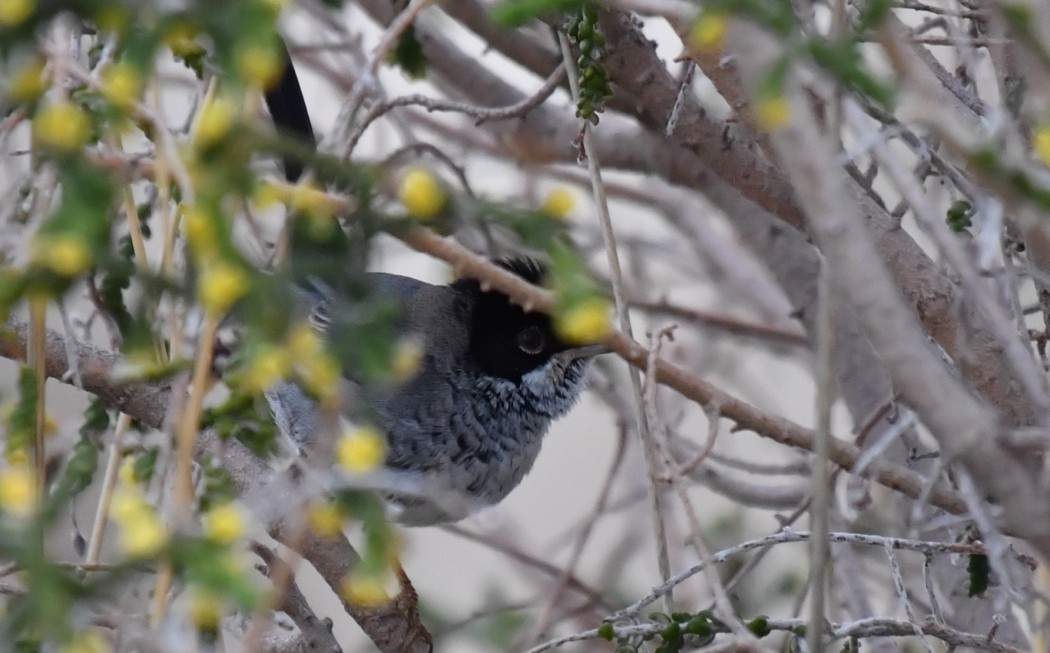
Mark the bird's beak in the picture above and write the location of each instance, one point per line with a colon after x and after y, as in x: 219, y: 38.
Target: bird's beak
x: 586, y: 351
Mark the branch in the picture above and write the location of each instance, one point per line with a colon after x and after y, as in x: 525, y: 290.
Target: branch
x: 145, y: 401
x: 842, y: 453
x: 316, y: 634
x: 964, y: 427
x: 789, y: 536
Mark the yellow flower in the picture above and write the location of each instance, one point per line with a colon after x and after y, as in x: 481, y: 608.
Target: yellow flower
x: 142, y: 533
x: 308, y: 198
x: 326, y: 518
x: 407, y: 357
x: 51, y: 425
x: 87, y: 642
x: 121, y: 85
x: 558, y: 203
x: 205, y: 609
x: 266, y: 195
x: 15, y: 12
x: 214, y: 122
x: 144, y: 536
x: 361, y: 450
x: 18, y: 494
x: 773, y: 112
x: 181, y: 40
x: 64, y: 254
x: 225, y: 524
x: 61, y: 126
x: 364, y: 590
x: 259, y: 63
x: 1041, y: 143
x: 221, y: 285
x: 268, y: 365
x: 586, y: 322
x: 422, y: 194
x: 112, y: 17
x: 303, y: 342
x: 709, y: 31
x: 128, y: 503
x: 18, y: 456
x: 198, y: 229
x: 126, y: 474
x: 321, y: 374
x: 28, y: 82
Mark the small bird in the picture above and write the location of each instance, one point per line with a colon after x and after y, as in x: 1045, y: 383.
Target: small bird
x: 466, y: 428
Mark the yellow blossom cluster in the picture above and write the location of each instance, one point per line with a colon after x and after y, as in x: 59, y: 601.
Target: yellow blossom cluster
x: 142, y: 533
x: 205, y: 609
x: 408, y: 354
x: 709, y: 31
x: 18, y: 489
x: 1041, y: 143
x: 121, y: 85
x: 366, y: 590
x: 268, y: 365
x: 422, y: 194
x: 221, y: 284
x: 559, y: 203
x: 181, y: 39
x: 198, y: 230
x: 15, y: 12
x: 773, y: 112
x: 361, y: 449
x: 225, y: 523
x: 585, y: 322
x: 61, y: 126
x: 302, y: 354
x: 214, y: 121
x: 29, y: 82
x: 67, y: 255
x: 315, y: 367
x: 325, y: 518
x: 259, y: 63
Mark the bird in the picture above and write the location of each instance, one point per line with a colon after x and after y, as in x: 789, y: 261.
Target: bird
x: 467, y: 426
x: 464, y: 430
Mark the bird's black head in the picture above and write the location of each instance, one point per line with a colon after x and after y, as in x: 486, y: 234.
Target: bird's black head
x: 504, y: 340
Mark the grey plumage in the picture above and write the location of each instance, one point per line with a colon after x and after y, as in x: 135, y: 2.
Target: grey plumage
x: 467, y: 427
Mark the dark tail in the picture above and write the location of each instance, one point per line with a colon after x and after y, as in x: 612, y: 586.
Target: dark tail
x: 288, y: 108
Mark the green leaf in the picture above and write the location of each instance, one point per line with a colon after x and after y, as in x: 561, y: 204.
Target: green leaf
x: 979, y: 574
x: 518, y: 12
x: 219, y: 487
x: 144, y: 465
x: 22, y: 424
x: 958, y: 217
x: 408, y: 54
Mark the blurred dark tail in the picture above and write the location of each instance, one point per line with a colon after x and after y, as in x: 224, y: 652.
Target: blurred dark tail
x: 288, y: 108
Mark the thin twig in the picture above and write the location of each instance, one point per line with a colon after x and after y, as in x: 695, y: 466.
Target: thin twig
x: 820, y: 505
x: 109, y: 481
x: 788, y: 536
x: 480, y: 114
x: 902, y: 594
x: 622, y: 313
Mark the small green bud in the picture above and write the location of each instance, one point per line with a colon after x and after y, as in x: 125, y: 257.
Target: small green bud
x: 759, y: 626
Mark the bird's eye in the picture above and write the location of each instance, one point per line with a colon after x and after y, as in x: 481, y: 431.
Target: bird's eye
x: 531, y: 340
